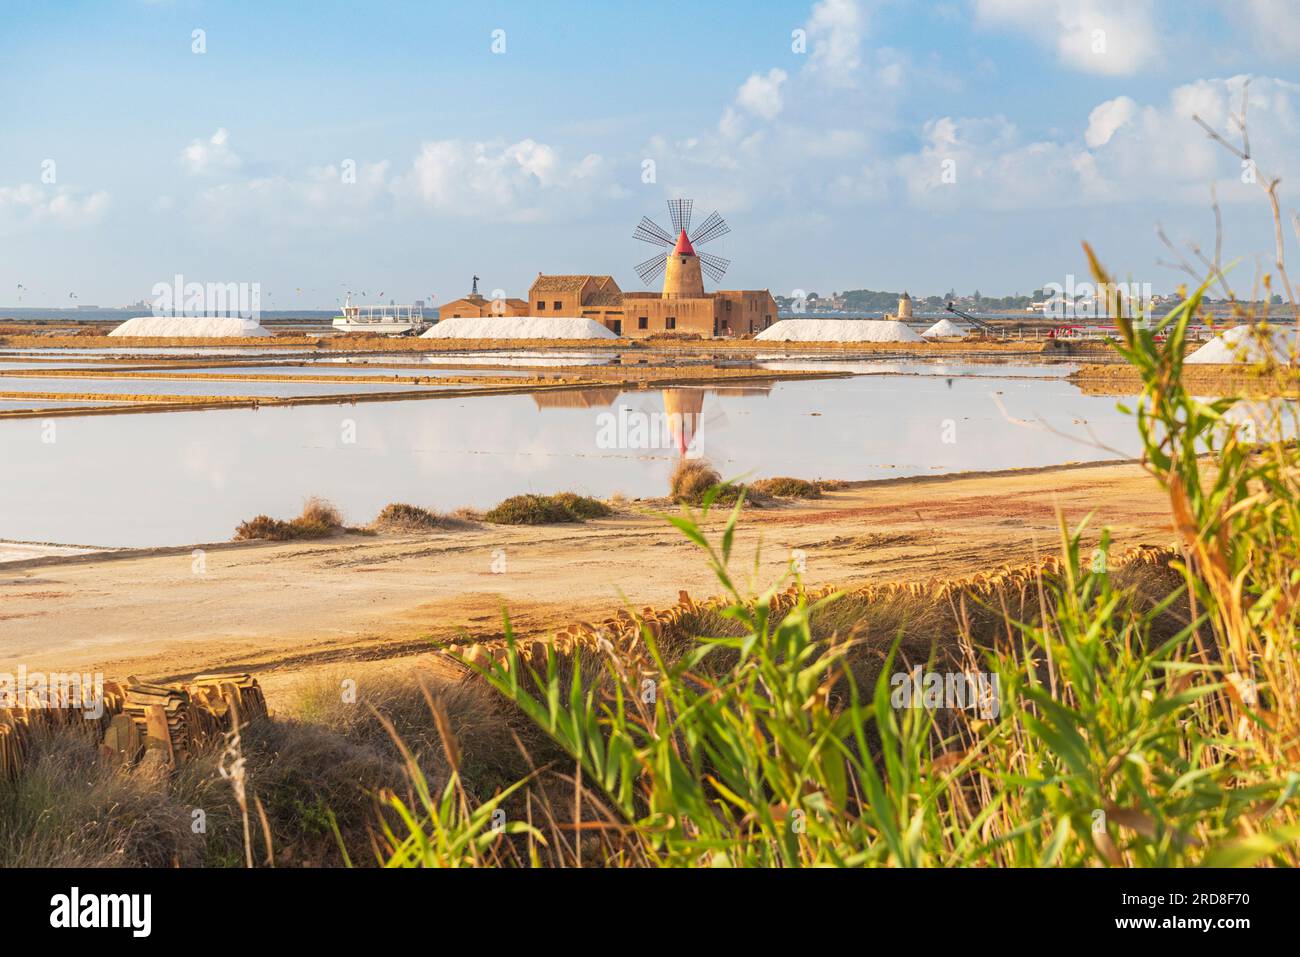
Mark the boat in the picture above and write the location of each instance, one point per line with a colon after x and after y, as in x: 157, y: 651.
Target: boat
x: 387, y: 320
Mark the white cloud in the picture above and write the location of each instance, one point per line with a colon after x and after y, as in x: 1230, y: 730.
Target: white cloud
x: 343, y: 194
x: 525, y: 181
x: 761, y: 95
x: 835, y: 31
x: 1273, y: 23
x: 521, y: 182
x: 1127, y: 152
x: 1107, y: 118
x: 30, y: 203
x: 982, y: 162
x: 213, y: 155
x: 1112, y: 37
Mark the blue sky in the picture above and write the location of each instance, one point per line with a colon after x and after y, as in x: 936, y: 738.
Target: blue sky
x: 963, y: 144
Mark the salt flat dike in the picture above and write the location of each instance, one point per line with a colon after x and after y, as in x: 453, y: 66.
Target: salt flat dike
x: 189, y: 327
x: 839, y: 330
x: 518, y: 327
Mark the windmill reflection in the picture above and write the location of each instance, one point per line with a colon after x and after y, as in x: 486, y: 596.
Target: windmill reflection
x: 679, y: 426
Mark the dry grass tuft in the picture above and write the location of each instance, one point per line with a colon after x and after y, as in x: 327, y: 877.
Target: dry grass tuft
x: 547, y: 509
x: 400, y: 517
x: 691, y: 479
x: 319, y: 519
x: 786, y: 487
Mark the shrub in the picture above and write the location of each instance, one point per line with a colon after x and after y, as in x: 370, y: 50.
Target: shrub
x: 785, y: 487
x: 264, y: 527
x: 400, y: 517
x: 691, y: 479
x: 582, y: 506
x: 319, y: 519
x: 546, y: 509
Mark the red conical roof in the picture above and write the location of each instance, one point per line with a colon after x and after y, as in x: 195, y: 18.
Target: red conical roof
x: 684, y: 247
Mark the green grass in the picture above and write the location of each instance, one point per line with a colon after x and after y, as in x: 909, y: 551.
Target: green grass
x: 1146, y: 718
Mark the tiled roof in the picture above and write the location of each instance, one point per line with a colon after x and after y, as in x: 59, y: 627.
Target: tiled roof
x: 560, y: 283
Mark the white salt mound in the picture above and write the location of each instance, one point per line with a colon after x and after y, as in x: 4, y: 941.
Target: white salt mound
x: 942, y: 329
x: 193, y: 327
x: 518, y: 327
x: 839, y: 330
x: 1240, y: 344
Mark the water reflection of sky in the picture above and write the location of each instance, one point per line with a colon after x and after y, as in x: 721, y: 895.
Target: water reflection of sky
x: 191, y: 477
x: 180, y: 386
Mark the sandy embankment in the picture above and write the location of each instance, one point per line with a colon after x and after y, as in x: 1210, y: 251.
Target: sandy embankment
x: 286, y: 609
x: 1230, y: 379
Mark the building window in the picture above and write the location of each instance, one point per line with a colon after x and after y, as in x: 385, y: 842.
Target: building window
x: 670, y: 322
x: 643, y: 322
x: 767, y: 321
x: 541, y: 306
x: 557, y: 306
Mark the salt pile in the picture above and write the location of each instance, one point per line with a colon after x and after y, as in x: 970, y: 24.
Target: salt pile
x: 839, y: 330
x: 190, y: 327
x: 518, y: 327
x: 942, y: 329
x: 1240, y: 344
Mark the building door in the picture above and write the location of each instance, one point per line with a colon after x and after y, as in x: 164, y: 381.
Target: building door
x: 615, y: 326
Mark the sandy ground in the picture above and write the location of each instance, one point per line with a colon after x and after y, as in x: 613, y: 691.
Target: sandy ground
x: 286, y: 610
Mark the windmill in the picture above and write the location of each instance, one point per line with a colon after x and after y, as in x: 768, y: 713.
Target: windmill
x: 681, y: 242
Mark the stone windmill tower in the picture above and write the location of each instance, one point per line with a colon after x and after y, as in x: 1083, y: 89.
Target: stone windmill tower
x: 682, y: 267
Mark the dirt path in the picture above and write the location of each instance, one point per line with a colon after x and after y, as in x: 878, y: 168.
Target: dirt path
x: 282, y: 609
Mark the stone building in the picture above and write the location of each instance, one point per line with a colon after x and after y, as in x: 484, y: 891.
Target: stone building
x: 475, y: 306
x: 683, y: 307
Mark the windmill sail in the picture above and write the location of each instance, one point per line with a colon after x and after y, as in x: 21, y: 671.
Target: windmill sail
x: 652, y: 268
x: 648, y: 231
x: 710, y: 229
x: 715, y: 266
x: 679, y: 210
x: 682, y: 239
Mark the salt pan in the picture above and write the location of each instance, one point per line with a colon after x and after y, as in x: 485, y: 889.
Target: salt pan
x: 839, y: 330
x: 518, y: 327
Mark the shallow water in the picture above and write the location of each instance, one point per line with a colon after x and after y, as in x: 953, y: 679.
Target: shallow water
x: 929, y: 367
x: 192, y: 477
x: 180, y: 386
x: 13, y: 405
x: 152, y: 351
x: 353, y: 369
x: 553, y: 358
